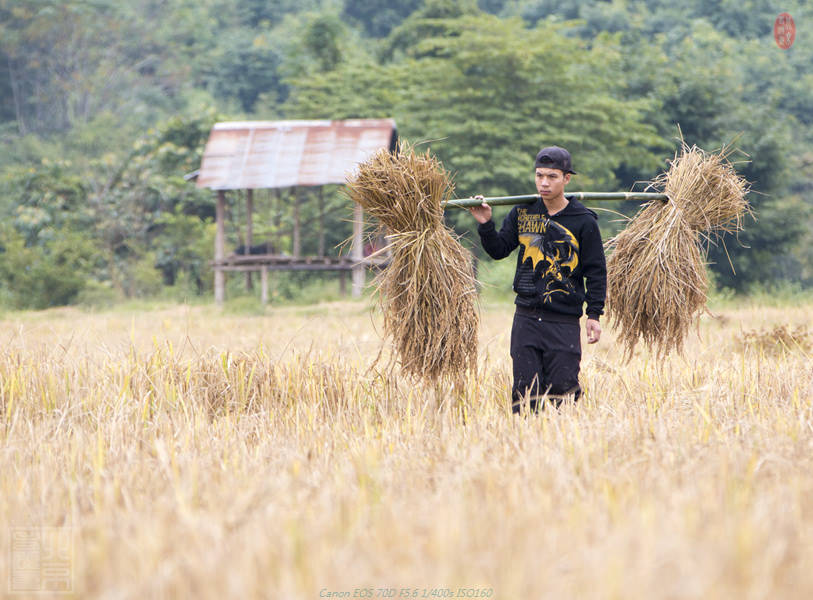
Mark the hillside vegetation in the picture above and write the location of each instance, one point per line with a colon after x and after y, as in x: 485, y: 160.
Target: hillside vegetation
x: 105, y: 106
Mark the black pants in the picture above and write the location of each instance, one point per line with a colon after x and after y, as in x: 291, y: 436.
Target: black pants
x: 546, y: 356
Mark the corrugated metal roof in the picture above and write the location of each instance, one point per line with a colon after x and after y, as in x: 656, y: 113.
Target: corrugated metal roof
x: 274, y: 154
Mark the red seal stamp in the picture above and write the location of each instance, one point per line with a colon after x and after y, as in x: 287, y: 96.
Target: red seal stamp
x: 784, y: 31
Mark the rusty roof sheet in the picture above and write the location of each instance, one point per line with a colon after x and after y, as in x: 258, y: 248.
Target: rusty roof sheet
x: 274, y: 154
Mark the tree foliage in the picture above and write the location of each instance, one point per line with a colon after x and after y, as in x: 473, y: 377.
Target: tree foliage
x: 105, y: 106
x: 378, y: 17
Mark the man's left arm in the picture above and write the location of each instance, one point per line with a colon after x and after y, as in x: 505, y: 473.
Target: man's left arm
x: 594, y: 268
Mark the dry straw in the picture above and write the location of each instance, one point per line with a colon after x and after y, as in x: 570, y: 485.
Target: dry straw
x: 656, y: 274
x: 428, y: 292
x: 778, y: 340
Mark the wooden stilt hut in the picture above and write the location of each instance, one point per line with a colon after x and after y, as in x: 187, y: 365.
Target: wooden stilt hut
x: 253, y: 155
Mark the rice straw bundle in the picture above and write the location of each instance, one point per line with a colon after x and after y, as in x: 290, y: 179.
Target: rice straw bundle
x: 656, y: 275
x: 428, y: 292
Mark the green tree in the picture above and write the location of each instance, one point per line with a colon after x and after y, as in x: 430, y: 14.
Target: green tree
x: 42, y: 275
x: 378, y: 17
x: 323, y: 41
x: 94, y: 144
x: 433, y: 20
x: 489, y: 93
x: 182, y: 249
x: 244, y: 66
x: 146, y: 198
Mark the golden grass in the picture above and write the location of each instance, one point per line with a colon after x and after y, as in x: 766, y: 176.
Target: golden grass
x: 428, y: 292
x: 208, y: 456
x: 656, y: 274
x: 780, y: 338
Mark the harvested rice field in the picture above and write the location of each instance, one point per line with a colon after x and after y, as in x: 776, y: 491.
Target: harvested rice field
x: 182, y: 452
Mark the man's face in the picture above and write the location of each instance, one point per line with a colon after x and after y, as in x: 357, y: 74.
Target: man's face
x: 550, y: 183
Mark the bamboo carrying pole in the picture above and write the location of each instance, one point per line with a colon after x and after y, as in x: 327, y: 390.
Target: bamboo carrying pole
x: 529, y: 198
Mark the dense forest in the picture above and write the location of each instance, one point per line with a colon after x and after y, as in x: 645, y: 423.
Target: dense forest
x: 105, y: 106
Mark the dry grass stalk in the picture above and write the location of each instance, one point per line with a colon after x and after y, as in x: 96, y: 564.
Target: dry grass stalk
x: 656, y: 273
x: 781, y: 338
x: 428, y: 292
x: 189, y: 462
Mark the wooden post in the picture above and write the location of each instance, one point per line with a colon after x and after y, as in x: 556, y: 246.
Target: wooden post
x: 357, y: 252
x: 249, y: 233
x: 277, y: 213
x: 297, y: 242
x: 220, y: 245
x: 321, y: 220
x: 264, y: 285
x: 343, y: 283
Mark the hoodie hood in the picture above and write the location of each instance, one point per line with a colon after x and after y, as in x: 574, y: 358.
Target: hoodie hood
x: 574, y: 207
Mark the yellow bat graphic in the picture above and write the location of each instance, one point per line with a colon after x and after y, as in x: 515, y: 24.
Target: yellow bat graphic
x: 565, y: 251
x: 532, y: 250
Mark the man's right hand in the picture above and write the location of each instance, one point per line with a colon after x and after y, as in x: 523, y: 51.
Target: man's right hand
x: 482, y: 213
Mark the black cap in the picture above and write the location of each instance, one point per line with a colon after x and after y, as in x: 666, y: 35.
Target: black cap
x: 554, y: 157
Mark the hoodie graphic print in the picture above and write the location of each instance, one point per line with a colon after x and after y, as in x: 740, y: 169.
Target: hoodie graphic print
x: 552, y: 251
x: 558, y: 254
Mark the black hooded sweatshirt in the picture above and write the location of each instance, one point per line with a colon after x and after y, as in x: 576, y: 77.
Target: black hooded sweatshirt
x: 557, y: 254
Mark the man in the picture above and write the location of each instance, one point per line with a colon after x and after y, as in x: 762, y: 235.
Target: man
x: 560, y: 248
